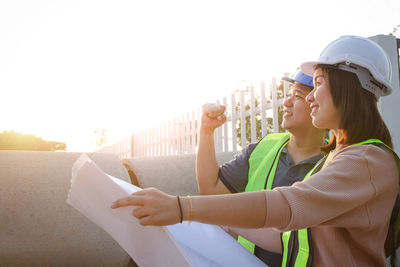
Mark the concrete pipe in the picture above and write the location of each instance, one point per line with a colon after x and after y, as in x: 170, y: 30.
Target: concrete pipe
x: 37, y: 227
x: 171, y: 174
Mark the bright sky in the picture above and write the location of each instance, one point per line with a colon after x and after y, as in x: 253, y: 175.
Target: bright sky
x: 70, y: 67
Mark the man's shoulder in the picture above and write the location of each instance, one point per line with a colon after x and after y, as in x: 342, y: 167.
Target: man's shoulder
x: 271, y: 140
x: 276, y: 137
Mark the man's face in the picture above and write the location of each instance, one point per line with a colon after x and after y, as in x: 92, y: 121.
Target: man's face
x: 296, y: 109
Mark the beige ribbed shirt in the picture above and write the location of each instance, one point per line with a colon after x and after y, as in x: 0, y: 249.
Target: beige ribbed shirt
x: 347, y: 205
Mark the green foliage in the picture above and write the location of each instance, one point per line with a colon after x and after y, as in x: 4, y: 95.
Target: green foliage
x: 280, y: 94
x: 10, y: 140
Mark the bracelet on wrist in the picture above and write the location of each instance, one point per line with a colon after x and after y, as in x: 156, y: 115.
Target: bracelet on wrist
x: 180, y: 208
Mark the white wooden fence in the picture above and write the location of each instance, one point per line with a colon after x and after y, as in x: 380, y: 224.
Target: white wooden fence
x: 180, y: 135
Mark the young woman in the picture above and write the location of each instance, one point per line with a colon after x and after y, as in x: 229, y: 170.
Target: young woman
x: 347, y: 204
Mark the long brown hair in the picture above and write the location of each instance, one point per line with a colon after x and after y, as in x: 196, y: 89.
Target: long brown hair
x: 359, y: 116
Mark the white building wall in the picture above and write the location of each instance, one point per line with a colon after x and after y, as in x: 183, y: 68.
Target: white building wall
x: 390, y: 105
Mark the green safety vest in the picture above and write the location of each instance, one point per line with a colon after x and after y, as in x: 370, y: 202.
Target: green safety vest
x: 263, y: 162
x: 297, y: 247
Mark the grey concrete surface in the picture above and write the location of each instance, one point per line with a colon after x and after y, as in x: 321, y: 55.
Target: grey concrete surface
x: 171, y: 174
x: 37, y: 227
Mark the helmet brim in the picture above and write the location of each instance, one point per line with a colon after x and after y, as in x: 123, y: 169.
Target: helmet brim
x: 309, y: 67
x: 301, y: 78
x: 288, y: 79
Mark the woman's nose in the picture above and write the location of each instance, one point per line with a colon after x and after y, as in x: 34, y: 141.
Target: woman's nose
x: 310, y: 97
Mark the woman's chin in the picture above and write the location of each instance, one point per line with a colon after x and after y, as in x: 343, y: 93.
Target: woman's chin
x: 317, y: 123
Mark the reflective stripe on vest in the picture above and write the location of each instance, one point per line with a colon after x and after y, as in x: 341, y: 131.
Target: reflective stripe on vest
x: 263, y: 162
x: 297, y: 244
x: 300, y: 242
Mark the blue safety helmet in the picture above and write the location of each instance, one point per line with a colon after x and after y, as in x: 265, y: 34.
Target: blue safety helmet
x: 302, y: 78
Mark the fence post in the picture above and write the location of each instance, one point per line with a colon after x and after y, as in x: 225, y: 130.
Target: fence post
x: 187, y: 134
x: 158, y: 132
x: 263, y: 111
x: 175, y: 133
x: 253, y: 125
x: 226, y: 148
x: 243, y: 118
x: 233, y: 123
x: 193, y: 131
x: 275, y: 120
x: 170, y: 138
x: 199, y: 114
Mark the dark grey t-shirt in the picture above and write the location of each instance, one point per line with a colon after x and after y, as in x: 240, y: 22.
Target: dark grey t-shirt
x: 234, y: 175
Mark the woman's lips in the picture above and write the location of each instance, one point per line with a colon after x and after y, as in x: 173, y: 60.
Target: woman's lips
x: 314, y: 109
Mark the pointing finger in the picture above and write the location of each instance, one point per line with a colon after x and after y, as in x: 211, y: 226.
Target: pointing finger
x: 128, y: 201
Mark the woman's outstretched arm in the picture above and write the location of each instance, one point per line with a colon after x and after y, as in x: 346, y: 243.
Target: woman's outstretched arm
x: 246, y: 210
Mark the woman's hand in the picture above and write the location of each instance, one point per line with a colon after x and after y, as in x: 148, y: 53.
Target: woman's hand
x: 245, y: 210
x: 153, y: 207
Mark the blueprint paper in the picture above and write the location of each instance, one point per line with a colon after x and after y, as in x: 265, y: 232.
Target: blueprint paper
x: 196, y: 244
x: 92, y: 192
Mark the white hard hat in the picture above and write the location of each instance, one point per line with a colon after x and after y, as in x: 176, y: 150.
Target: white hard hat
x: 361, y: 56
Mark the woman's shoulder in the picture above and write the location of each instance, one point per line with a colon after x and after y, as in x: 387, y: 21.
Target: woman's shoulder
x: 378, y: 160
x: 366, y: 151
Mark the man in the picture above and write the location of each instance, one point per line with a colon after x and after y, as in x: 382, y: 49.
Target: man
x: 276, y: 160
